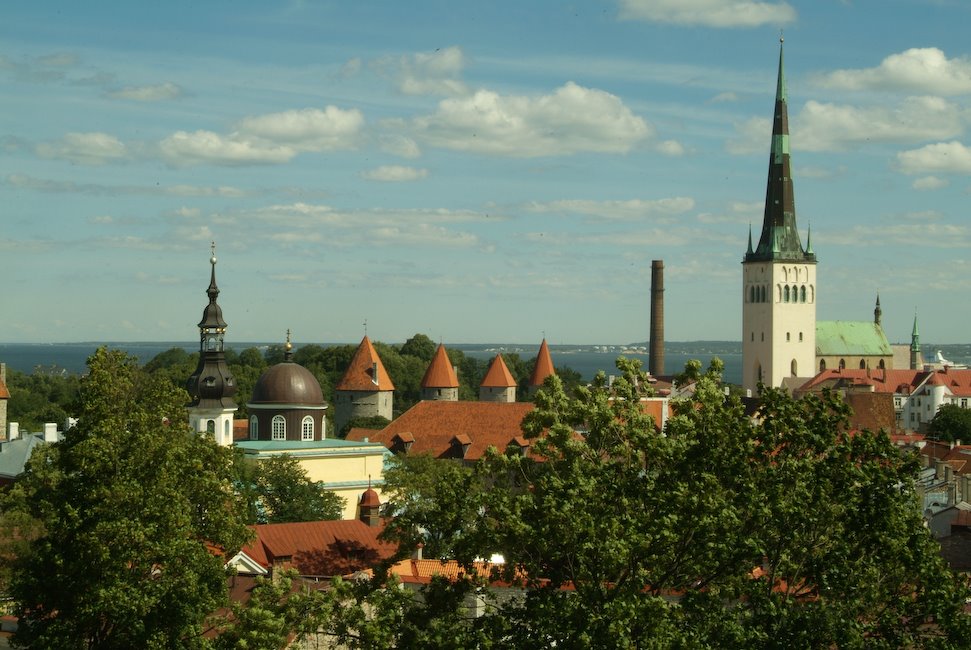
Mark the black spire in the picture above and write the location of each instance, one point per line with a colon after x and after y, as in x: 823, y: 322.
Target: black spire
x: 780, y: 238
x: 212, y: 385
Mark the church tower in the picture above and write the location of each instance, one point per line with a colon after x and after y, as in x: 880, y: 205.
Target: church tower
x: 779, y: 275
x: 212, y: 385
x: 916, y: 358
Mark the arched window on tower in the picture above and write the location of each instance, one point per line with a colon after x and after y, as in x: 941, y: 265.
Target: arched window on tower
x: 862, y: 364
x: 822, y: 365
x: 751, y: 293
x: 882, y: 365
x: 842, y: 364
x: 785, y: 294
x: 762, y: 293
x: 812, y: 293
x: 254, y: 428
x: 758, y: 372
x: 794, y: 368
x: 802, y: 293
x: 278, y: 428
x: 307, y: 428
x: 210, y: 426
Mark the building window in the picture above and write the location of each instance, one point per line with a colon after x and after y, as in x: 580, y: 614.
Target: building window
x: 842, y: 364
x: 763, y: 337
x: 211, y: 426
x: 762, y: 293
x: 278, y: 428
x: 862, y: 364
x: 964, y: 403
x: 882, y: 365
x: 307, y: 428
x: 802, y: 293
x: 254, y: 428
x: 753, y: 337
x: 794, y: 368
x: 788, y: 337
x: 800, y: 337
x: 822, y: 365
x: 785, y: 294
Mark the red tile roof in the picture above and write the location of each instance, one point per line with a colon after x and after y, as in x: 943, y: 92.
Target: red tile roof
x: 360, y: 374
x: 498, y: 375
x: 882, y: 381
x: 240, y: 429
x: 433, y: 425
x: 440, y: 373
x: 319, y: 548
x: 544, y: 366
x: 4, y: 393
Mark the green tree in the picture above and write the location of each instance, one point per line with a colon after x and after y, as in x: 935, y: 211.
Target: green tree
x: 419, y: 346
x: 46, y: 395
x: 376, y: 422
x: 129, y: 510
x: 278, y: 490
x: 952, y: 423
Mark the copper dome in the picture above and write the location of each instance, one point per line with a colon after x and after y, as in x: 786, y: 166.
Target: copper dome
x: 287, y: 383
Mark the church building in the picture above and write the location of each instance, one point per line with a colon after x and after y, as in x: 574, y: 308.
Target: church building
x: 778, y: 275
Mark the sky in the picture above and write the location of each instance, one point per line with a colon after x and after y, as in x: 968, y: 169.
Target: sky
x: 477, y: 172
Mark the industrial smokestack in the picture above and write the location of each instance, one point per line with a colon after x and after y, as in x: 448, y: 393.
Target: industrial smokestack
x: 655, y: 364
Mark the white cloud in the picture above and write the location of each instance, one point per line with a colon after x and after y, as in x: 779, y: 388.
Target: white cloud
x: 942, y: 157
x: 632, y: 209
x: 670, y: 148
x: 394, y: 173
x: 835, y: 127
x: 200, y: 147
x: 427, y: 73
x: 400, y: 145
x: 927, y: 233
x: 919, y: 70
x: 85, y: 148
x: 708, y: 13
x: 309, y: 129
x: 273, y: 138
x: 927, y: 183
x: 154, y: 93
x: 70, y: 187
x: 571, y: 120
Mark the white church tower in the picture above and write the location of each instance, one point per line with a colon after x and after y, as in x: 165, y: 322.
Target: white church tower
x: 778, y: 276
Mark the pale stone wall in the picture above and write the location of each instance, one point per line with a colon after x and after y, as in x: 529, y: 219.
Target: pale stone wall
x: 778, y: 335
x: 497, y: 394
x: 440, y: 394
x: 361, y: 404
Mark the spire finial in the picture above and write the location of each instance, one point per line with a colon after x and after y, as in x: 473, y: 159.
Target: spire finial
x: 288, y: 348
x: 365, y: 327
x: 212, y: 251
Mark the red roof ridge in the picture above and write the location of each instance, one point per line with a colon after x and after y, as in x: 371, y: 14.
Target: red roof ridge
x: 360, y: 374
x: 544, y: 365
x: 498, y: 375
x: 440, y: 373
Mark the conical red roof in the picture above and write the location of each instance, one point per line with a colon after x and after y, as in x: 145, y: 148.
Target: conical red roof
x: 440, y: 373
x: 544, y: 366
x: 360, y: 374
x: 498, y: 375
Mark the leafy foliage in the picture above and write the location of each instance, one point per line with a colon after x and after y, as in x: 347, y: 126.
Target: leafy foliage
x: 46, y: 395
x: 121, y: 519
x: 277, y: 490
x: 721, y: 532
x: 952, y: 423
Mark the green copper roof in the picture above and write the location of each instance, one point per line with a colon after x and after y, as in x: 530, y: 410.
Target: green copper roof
x: 845, y: 338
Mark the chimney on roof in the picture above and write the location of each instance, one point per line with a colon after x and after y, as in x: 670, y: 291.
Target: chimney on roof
x: 13, y: 431
x: 655, y: 362
x: 50, y: 432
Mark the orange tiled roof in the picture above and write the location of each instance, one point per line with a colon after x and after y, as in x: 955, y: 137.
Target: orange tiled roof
x: 240, y: 429
x: 4, y: 393
x: 319, y: 548
x: 360, y: 375
x: 882, y: 381
x: 544, y: 366
x: 440, y: 373
x: 498, y: 375
x: 430, y: 427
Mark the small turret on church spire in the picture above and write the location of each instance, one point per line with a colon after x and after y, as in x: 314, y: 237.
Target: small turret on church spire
x: 916, y: 358
x: 877, y: 312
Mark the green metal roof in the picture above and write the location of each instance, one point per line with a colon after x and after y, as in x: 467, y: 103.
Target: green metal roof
x: 851, y: 338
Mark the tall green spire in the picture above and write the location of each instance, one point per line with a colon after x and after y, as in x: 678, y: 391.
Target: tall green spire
x: 780, y: 238
x: 915, y: 336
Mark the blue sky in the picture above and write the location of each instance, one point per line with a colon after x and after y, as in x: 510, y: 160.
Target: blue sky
x: 479, y: 172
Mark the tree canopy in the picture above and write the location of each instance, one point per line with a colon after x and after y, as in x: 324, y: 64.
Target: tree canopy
x: 277, y: 490
x: 719, y: 531
x: 952, y: 423
x: 125, y: 524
